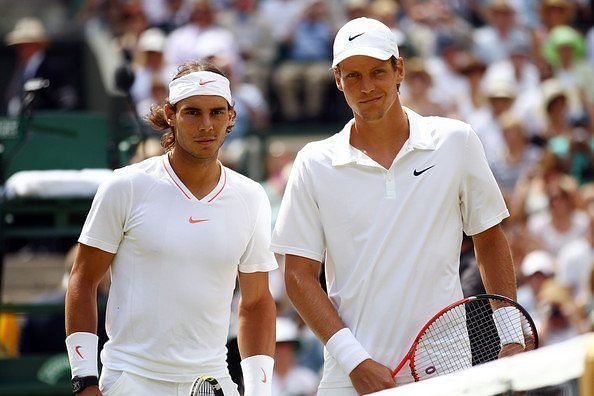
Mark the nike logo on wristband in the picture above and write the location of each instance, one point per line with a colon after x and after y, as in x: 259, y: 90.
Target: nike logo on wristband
x: 194, y: 221
x: 264, y: 380
x: 77, y: 350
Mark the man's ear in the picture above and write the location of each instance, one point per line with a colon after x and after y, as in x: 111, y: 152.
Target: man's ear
x: 232, y: 118
x: 400, y: 70
x: 337, y: 79
x: 169, y: 114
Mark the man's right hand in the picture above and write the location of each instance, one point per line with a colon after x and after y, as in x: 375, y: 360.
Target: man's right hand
x: 370, y: 376
x: 92, y: 390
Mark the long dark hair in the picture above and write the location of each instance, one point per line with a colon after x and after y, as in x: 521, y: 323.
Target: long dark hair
x: 157, y: 117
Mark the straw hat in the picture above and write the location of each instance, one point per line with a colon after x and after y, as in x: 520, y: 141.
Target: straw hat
x: 27, y: 30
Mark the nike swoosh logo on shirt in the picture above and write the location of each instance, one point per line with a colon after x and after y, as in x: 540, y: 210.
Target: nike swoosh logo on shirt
x: 417, y: 173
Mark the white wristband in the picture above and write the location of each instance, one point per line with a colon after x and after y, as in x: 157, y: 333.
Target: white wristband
x: 509, y: 326
x: 257, y: 375
x: 82, y: 354
x: 347, y: 351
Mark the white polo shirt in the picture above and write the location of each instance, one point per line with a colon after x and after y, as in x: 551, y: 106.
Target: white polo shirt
x: 175, y: 266
x: 390, y: 238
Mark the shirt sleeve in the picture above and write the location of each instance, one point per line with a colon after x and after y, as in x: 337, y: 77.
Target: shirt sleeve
x: 257, y: 256
x: 298, y: 229
x: 105, y: 224
x: 481, y: 201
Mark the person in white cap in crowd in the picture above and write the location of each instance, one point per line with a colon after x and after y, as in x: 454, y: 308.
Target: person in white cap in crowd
x: 175, y: 231
x: 30, y: 41
x: 149, y: 64
x: 384, y: 204
x: 535, y: 269
x: 290, y: 379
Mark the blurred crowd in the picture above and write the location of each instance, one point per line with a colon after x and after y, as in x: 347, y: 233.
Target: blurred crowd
x: 520, y: 72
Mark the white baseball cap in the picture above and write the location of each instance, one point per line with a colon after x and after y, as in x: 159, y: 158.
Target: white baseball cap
x: 364, y: 36
x: 286, y: 330
x: 538, y: 261
x: 152, y: 39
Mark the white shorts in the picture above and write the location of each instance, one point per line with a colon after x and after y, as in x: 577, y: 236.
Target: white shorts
x: 123, y: 383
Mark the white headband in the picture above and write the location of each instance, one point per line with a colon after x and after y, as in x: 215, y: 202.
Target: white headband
x: 200, y: 83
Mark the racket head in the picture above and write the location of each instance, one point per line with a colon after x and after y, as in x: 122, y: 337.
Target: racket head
x: 206, y: 386
x: 464, y: 334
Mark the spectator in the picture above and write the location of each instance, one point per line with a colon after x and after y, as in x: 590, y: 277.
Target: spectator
x: 472, y: 100
x: 417, y: 90
x: 576, y: 262
x: 519, y: 68
x: 30, y: 42
x: 289, y: 378
x: 150, y: 67
x: 501, y: 94
x: 445, y: 68
x: 563, y: 222
x: 253, y: 35
x: 188, y: 42
x: 555, y: 106
x: 560, y: 318
x: 493, y: 42
x: 130, y: 25
x: 517, y: 157
x: 302, y: 79
x: 536, y: 268
x: 565, y: 50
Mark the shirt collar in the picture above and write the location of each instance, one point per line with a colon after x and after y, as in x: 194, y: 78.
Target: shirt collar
x: 420, y: 138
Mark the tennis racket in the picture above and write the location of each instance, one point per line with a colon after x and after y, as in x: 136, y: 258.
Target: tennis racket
x: 464, y: 334
x: 206, y: 386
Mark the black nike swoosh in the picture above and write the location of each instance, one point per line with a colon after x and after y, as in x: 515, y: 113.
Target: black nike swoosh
x: 351, y: 38
x: 417, y: 173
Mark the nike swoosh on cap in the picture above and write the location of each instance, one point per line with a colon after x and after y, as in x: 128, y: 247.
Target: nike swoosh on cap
x: 351, y: 38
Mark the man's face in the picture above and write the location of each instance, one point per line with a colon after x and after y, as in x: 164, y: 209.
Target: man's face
x: 369, y: 85
x: 201, y: 124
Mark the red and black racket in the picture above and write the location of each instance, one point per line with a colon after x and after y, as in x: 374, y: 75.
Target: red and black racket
x: 464, y: 334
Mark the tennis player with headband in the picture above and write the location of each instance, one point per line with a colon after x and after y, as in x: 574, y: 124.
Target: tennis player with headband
x: 384, y: 204
x: 175, y: 231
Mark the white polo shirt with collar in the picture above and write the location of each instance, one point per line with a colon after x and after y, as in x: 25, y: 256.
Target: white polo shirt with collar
x: 390, y: 238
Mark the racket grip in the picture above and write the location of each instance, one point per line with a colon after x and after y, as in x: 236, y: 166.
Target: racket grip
x: 509, y: 325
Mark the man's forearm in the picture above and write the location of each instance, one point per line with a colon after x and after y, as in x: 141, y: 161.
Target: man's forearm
x: 495, y: 262
x: 256, y: 333
x: 81, y: 307
x: 313, y: 305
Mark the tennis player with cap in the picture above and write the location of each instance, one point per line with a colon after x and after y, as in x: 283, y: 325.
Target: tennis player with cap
x: 384, y: 203
x: 175, y: 231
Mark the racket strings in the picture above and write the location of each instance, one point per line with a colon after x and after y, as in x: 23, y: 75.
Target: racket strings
x: 465, y: 336
x: 206, y: 386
